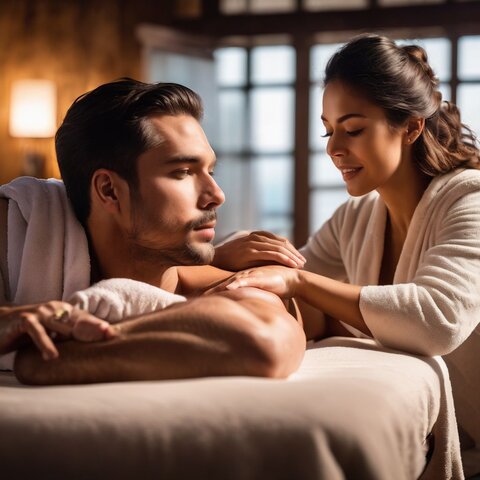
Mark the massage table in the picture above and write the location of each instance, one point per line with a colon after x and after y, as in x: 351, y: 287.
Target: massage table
x: 353, y: 410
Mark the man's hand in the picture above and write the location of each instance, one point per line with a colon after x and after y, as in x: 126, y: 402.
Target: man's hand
x: 46, y: 321
x: 256, y: 249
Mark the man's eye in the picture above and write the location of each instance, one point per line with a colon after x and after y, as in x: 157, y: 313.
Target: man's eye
x: 327, y: 134
x: 354, y: 133
x: 184, y: 172
x: 211, y: 173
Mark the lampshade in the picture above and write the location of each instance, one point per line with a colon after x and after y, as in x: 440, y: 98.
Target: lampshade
x: 33, y: 109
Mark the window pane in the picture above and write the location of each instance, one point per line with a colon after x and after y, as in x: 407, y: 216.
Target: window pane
x: 334, y: 4
x: 194, y: 72
x: 439, y: 54
x: 238, y: 212
x: 323, y: 204
x: 319, y: 56
x: 264, y: 6
x: 273, y: 64
x: 278, y: 225
x: 229, y: 7
x: 273, y: 180
x: 272, y: 119
x: 232, y: 121
x: 468, y: 64
x: 323, y: 172
x: 391, y: 3
x: 317, y: 129
x: 231, y: 66
x: 446, y: 91
x: 468, y: 100
x: 258, y: 194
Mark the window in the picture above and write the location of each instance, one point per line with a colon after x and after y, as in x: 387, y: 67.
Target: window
x: 232, y: 7
x: 256, y: 143
x: 327, y: 189
x: 255, y: 146
x: 468, y: 94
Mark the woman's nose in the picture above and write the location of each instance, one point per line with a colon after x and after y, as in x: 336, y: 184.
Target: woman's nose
x: 335, y: 146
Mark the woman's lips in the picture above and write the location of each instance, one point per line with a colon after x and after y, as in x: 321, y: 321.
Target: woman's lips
x: 349, y: 173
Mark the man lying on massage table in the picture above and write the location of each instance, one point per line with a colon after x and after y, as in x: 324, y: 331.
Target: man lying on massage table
x: 137, y: 169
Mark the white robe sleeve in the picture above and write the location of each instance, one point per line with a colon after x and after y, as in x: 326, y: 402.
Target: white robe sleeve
x: 435, y: 312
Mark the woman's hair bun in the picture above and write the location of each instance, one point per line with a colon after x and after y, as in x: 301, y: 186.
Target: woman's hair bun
x: 418, y: 55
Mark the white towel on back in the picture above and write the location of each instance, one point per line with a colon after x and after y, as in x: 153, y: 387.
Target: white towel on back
x: 118, y: 298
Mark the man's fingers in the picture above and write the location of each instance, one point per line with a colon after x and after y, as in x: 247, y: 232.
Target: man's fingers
x: 63, y: 326
x: 36, y: 331
x: 92, y: 330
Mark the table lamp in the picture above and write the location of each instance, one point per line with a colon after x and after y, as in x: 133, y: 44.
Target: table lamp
x: 33, y: 115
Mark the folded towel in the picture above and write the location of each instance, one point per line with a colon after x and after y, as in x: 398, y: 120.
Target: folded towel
x: 48, y: 258
x: 118, y: 298
x: 47, y: 249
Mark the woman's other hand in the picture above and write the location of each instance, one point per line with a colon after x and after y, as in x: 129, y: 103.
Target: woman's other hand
x: 256, y: 249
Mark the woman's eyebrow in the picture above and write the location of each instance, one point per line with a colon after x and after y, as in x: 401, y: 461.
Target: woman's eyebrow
x: 343, y: 118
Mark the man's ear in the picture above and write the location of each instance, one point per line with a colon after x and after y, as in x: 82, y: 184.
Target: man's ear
x: 415, y: 126
x: 109, y: 190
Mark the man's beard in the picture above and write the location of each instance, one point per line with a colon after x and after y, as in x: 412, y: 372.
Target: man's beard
x: 163, y: 253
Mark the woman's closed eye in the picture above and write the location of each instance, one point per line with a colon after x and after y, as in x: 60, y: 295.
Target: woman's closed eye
x: 354, y: 133
x: 350, y: 133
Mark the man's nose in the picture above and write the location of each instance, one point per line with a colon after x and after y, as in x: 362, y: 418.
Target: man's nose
x: 212, y: 195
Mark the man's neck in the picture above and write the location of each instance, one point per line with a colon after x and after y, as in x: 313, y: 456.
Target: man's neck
x: 112, y: 261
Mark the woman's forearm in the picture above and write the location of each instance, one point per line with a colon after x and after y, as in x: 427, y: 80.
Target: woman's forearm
x: 336, y: 299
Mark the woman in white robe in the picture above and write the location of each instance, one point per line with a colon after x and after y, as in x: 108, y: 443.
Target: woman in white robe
x: 399, y: 261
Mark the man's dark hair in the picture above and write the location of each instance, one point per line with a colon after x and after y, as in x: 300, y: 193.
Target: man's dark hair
x: 108, y: 128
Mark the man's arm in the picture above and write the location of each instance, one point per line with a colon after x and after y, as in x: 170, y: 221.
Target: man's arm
x: 241, y: 333
x: 195, y: 280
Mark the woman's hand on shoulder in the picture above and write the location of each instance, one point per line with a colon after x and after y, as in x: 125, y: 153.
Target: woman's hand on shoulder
x: 43, y: 323
x: 281, y: 281
x: 256, y: 249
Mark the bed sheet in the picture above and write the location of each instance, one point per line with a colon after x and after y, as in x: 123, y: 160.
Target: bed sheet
x: 353, y: 410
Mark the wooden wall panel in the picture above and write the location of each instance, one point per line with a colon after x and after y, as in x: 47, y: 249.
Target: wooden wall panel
x: 77, y: 44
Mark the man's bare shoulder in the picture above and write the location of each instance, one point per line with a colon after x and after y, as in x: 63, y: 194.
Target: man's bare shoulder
x: 193, y: 280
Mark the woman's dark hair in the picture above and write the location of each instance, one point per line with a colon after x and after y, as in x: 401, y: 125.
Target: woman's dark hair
x: 400, y: 80
x: 109, y: 128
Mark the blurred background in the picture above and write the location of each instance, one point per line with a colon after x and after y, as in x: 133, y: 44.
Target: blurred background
x: 257, y: 64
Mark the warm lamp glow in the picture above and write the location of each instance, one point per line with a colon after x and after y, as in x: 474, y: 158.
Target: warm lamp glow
x: 33, y: 109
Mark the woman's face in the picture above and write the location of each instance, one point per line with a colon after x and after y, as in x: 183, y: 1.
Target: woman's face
x: 368, y: 152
